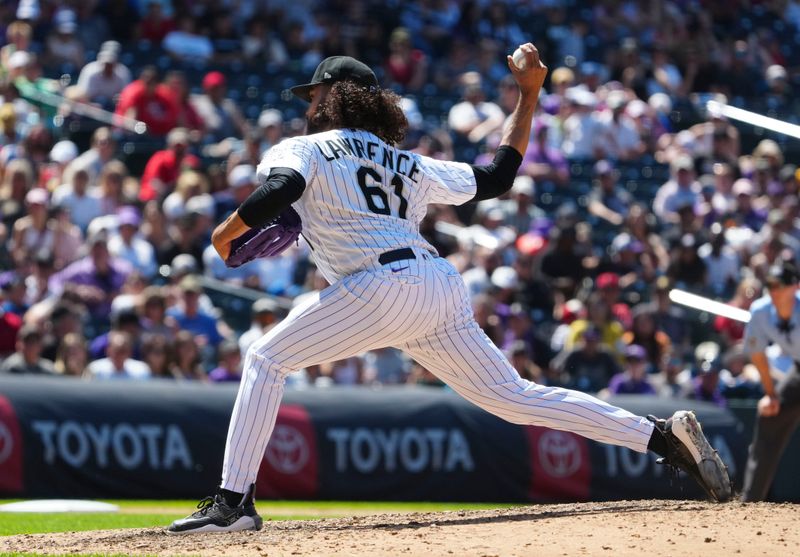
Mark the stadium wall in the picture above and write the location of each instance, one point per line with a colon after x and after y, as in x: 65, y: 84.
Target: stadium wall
x: 62, y: 438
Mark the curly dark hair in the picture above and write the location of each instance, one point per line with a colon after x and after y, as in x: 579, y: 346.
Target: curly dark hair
x: 350, y: 105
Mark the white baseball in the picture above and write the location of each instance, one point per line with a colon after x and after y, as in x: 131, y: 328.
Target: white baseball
x: 519, y: 59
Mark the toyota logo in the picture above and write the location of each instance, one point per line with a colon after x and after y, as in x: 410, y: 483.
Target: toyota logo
x: 6, y: 443
x: 559, y: 454
x: 287, y: 451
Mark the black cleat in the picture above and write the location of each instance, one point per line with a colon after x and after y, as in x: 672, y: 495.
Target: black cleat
x: 215, y: 515
x: 690, y: 451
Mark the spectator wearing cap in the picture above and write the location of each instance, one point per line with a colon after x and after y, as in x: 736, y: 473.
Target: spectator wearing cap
x: 779, y: 94
x: 126, y: 321
x: 95, y: 279
x: 27, y: 359
x: 105, y: 78
x: 265, y: 315
x: 146, y: 101
x: 83, y: 205
x: 189, y: 316
x: 608, y: 200
x: 32, y: 232
x: 229, y: 369
x: 64, y: 45
x: 543, y: 162
x: 706, y: 383
x: 722, y: 262
x: 165, y: 167
x: 221, y: 115
x: 632, y: 380
x: 588, y: 366
x: 61, y: 154
x: 119, y: 363
x: 599, y: 316
x: 474, y: 118
x: 126, y: 244
x: 746, y: 213
x: 680, y: 190
x: 608, y: 285
x: 12, y: 286
x: 242, y: 181
x: 581, y: 129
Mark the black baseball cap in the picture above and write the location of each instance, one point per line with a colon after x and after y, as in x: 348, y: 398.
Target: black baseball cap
x: 337, y: 68
x: 782, y: 273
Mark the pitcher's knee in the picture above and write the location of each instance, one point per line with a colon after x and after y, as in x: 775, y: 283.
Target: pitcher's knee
x: 260, y: 362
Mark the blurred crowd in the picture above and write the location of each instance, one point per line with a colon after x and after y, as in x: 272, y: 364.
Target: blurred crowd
x: 630, y: 186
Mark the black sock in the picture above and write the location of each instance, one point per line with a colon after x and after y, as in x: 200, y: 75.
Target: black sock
x: 232, y: 498
x: 657, y: 443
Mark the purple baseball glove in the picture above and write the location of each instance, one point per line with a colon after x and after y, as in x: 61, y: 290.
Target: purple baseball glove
x: 269, y: 240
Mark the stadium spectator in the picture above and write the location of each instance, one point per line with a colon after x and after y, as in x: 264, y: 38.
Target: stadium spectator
x: 64, y: 45
x: 230, y: 364
x: 119, y: 363
x: 542, y: 161
x: 147, y: 101
x: 32, y: 232
x: 406, y: 66
x: 27, y: 359
x: 105, y: 78
x: 176, y: 85
x: 222, y: 117
x: 190, y: 184
x: 164, y: 167
x: 83, y: 205
x: 155, y: 24
x: 264, y: 316
x: 157, y: 354
x: 587, y: 367
x: 474, y: 118
x: 187, y: 362
x: 608, y: 200
x: 190, y: 317
x: 94, y: 160
x: 10, y: 324
x: 680, y: 191
x: 95, y: 279
x: 632, y: 380
x: 72, y: 357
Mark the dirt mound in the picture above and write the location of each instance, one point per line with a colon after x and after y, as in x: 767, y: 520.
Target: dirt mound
x: 673, y: 528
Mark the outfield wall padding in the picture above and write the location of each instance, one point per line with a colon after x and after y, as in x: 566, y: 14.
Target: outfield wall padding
x: 160, y: 439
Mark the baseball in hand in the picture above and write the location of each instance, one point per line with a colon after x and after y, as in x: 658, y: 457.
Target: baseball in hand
x: 519, y: 59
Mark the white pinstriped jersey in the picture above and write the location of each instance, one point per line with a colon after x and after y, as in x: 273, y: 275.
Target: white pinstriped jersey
x: 364, y: 197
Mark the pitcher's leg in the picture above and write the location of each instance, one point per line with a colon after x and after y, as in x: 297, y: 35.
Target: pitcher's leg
x: 466, y: 359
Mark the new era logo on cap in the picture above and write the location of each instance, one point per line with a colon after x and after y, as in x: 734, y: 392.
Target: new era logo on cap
x: 327, y: 76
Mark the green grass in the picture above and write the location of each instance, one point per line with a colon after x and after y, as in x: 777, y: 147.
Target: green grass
x: 147, y: 514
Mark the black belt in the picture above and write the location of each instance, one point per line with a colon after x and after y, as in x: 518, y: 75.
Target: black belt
x: 396, y: 255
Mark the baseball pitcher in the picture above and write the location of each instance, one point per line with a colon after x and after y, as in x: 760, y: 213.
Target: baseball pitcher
x: 360, y: 201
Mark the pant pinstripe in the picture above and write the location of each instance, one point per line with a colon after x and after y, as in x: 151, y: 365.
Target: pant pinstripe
x: 424, y: 309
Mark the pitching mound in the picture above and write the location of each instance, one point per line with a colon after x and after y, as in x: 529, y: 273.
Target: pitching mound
x: 673, y: 528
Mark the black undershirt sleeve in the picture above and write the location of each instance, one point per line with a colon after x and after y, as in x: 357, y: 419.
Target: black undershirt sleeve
x: 282, y: 187
x: 495, y: 179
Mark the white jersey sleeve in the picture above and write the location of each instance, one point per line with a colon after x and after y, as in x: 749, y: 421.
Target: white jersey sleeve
x: 452, y: 183
x: 295, y: 153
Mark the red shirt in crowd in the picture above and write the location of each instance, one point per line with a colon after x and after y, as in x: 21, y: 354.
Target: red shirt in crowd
x: 165, y: 167
x: 10, y: 324
x: 156, y: 109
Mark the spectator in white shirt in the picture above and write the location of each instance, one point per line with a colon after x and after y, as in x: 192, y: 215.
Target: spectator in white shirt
x: 474, y: 117
x: 722, y: 262
x: 619, y: 139
x: 118, y: 364
x: 128, y: 245
x: 681, y: 190
x: 104, y: 79
x: 580, y: 128
x: 75, y: 196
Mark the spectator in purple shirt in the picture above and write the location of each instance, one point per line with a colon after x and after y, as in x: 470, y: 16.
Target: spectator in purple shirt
x: 94, y: 279
x: 230, y: 363
x: 633, y: 378
x: 542, y: 162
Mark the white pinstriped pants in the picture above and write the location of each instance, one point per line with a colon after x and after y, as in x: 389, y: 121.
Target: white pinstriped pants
x: 423, y: 308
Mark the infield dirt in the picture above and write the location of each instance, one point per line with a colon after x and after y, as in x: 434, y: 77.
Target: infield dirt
x: 618, y: 528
